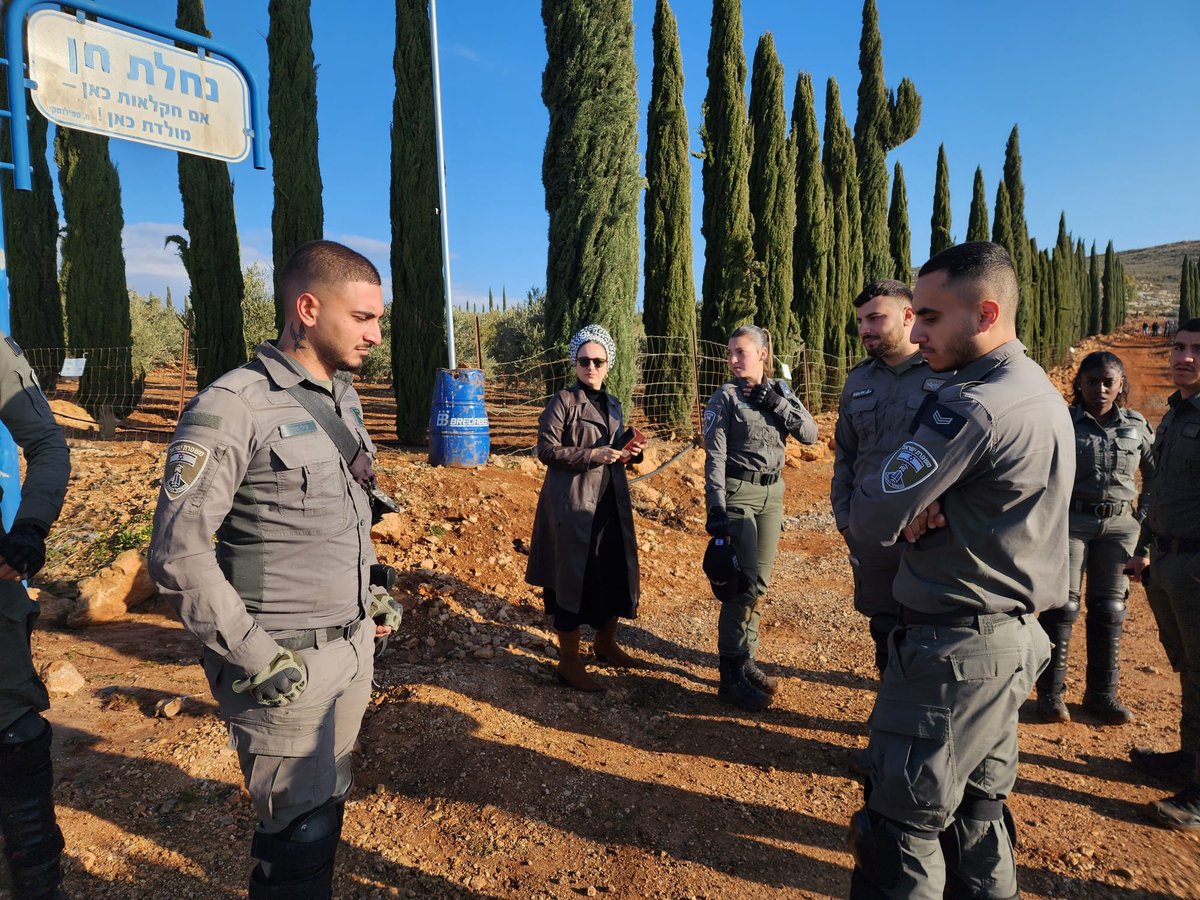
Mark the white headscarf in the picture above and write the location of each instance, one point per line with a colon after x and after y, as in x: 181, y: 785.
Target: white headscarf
x: 593, y: 334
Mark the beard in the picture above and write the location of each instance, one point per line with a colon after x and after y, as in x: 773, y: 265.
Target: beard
x: 888, y: 342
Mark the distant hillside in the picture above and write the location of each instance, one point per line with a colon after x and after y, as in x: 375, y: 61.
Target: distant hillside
x: 1157, y: 268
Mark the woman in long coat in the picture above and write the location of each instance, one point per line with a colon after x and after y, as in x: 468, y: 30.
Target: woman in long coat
x: 584, y: 552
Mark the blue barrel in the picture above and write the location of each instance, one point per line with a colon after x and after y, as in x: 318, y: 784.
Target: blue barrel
x: 458, y: 422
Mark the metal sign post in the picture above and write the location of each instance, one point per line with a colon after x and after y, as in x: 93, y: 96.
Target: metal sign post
x: 86, y: 74
x: 441, y: 173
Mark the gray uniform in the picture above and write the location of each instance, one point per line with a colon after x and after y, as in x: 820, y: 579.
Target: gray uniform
x: 289, y: 567
x: 878, y: 404
x: 1170, y: 534
x: 743, y: 468
x: 33, y: 842
x: 995, y: 447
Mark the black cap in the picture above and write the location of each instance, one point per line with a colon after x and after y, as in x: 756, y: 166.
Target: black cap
x: 724, y: 572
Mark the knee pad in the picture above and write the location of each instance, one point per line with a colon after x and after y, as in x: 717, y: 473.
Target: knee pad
x: 25, y: 768
x: 1107, y: 611
x: 305, y: 847
x: 876, y: 852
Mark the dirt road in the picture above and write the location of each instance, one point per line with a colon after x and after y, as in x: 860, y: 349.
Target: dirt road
x: 479, y: 776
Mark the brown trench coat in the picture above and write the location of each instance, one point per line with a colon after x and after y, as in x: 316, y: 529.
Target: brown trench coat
x: 569, y: 431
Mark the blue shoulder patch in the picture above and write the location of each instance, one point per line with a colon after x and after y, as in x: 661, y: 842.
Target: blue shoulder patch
x: 942, y: 420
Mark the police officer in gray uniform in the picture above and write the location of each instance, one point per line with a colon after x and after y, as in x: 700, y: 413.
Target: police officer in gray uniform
x: 1111, y: 443
x: 980, y: 491
x: 281, y: 600
x: 1169, y: 540
x: 33, y: 843
x: 746, y: 424
x: 881, y: 395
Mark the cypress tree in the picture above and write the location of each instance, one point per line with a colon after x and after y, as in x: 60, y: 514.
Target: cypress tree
x: 1016, y: 203
x: 845, y: 278
x: 503, y: 299
x: 1082, y: 294
x: 939, y: 223
x: 899, y: 234
x: 772, y: 196
x: 31, y: 223
x: 669, y: 304
x: 93, y: 275
x: 210, y: 252
x: 1093, y: 293
x: 491, y: 301
x: 1002, y: 234
x: 591, y: 175
x: 298, y: 215
x: 1066, y: 313
x: 1109, y: 300
x: 884, y: 122
x: 730, y: 271
x: 810, y: 256
x: 977, y: 224
x: 1185, y: 289
x: 418, y: 290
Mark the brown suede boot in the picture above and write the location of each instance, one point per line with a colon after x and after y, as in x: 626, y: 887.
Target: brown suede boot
x: 571, y: 670
x: 606, y: 648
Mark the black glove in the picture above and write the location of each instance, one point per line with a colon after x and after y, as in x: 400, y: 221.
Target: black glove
x: 717, y: 523
x: 764, y: 396
x: 24, y: 548
x: 282, y: 681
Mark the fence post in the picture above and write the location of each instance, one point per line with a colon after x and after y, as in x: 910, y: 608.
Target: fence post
x: 183, y: 366
x: 807, y: 379
x: 696, y: 380
x: 478, y: 346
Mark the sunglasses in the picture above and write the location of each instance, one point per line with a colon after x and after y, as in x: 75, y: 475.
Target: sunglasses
x: 585, y: 362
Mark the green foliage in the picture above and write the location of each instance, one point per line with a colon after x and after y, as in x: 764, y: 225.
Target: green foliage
x: 418, y: 342
x: 519, y: 333
x: 977, y: 224
x: 810, y: 249
x: 258, y: 309
x: 669, y: 299
x: 939, y: 222
x: 1094, y: 298
x: 731, y: 273
x: 772, y: 196
x: 1111, y: 285
x: 31, y: 223
x: 1019, y: 229
x: 845, y: 276
x: 591, y: 174
x: 298, y: 214
x: 210, y: 254
x: 93, y: 274
x: 1189, y: 289
x: 157, y: 332
x: 884, y: 122
x: 899, y: 233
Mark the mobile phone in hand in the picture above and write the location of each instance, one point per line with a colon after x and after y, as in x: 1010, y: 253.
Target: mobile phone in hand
x: 631, y: 435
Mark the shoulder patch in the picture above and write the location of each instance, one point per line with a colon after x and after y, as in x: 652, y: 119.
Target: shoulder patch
x: 291, y: 429
x: 358, y: 415
x: 16, y: 348
x: 710, y: 416
x: 185, y: 461
x: 1191, y: 430
x: 933, y: 385
x: 942, y: 420
x: 207, y: 420
x: 862, y: 392
x: 907, y: 467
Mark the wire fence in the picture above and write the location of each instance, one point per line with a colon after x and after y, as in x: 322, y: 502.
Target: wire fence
x: 105, y: 398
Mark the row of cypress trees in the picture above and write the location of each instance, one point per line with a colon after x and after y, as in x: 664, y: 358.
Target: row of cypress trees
x: 1189, y: 289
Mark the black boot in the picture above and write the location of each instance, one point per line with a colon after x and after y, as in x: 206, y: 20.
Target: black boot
x: 1105, y: 626
x: 736, y: 689
x: 1052, y: 682
x: 33, y: 843
x: 768, y: 684
x: 881, y: 627
x: 1173, y: 766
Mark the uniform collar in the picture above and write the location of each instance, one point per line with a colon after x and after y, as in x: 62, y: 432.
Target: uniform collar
x: 904, y: 365
x: 286, y: 372
x: 977, y: 369
x: 1079, y: 413
x: 1177, y: 402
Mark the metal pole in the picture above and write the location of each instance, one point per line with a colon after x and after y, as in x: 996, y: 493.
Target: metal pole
x: 441, y: 171
x: 183, y: 374
x: 478, y: 346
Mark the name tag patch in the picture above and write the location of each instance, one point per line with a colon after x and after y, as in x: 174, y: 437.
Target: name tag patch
x: 291, y: 429
x: 1126, y: 432
x: 907, y: 467
x: 1191, y: 430
x: 185, y: 461
x: 864, y: 392
x: 933, y: 385
x: 942, y: 420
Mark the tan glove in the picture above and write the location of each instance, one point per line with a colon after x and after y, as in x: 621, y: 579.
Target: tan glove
x: 282, y: 681
x: 385, y: 610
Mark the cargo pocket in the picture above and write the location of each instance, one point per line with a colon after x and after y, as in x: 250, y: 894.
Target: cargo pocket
x: 912, y: 758
x: 308, y: 478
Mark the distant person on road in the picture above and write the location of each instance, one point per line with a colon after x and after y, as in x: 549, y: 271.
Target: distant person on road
x: 281, y: 599
x: 746, y: 424
x: 33, y: 843
x: 979, y: 490
x: 1111, y: 443
x: 1154, y: 330
x: 583, y: 553
x: 1167, y: 561
x: 879, y: 400
x: 1145, y: 328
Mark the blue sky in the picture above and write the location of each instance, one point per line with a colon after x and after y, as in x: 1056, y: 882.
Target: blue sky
x: 1104, y: 93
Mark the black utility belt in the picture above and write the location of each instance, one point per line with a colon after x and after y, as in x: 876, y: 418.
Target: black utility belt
x: 1102, y: 509
x: 1175, y: 545
x: 747, y: 475
x: 319, y: 637
x: 979, y: 621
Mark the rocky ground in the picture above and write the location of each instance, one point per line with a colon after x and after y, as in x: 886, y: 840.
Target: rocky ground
x: 478, y: 775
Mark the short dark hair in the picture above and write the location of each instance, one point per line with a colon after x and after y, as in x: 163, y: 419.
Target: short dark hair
x: 1192, y: 324
x: 884, y: 287
x: 978, y: 268
x: 324, y: 262
x: 1093, y: 362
